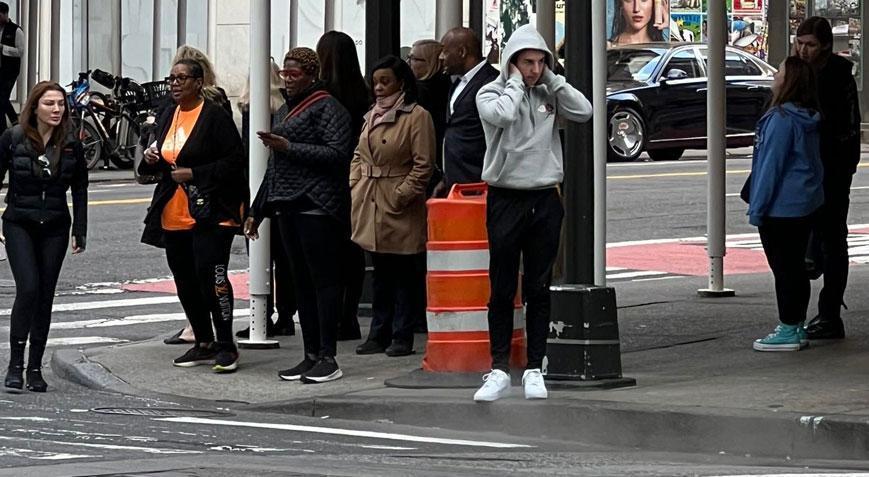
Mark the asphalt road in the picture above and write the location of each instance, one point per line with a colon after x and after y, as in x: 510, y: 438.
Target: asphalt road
x: 60, y: 433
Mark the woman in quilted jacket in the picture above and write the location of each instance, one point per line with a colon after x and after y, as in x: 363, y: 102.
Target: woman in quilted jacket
x: 388, y: 177
x: 305, y: 190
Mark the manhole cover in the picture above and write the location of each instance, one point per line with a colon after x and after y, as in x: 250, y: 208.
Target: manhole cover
x: 160, y: 412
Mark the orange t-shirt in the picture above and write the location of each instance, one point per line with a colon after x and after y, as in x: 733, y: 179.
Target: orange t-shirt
x: 176, y: 214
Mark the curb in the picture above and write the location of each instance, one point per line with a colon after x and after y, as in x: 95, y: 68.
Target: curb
x: 74, y: 366
x: 705, y: 430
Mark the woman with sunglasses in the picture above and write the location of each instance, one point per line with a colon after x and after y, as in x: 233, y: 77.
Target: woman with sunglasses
x: 196, y: 211
x: 44, y: 161
x: 305, y: 190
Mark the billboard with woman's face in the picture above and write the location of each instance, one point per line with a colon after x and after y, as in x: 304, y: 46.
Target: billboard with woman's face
x: 638, y: 21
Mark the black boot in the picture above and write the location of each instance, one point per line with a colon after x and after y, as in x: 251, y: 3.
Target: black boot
x: 35, y: 382
x: 825, y: 328
x: 14, y: 380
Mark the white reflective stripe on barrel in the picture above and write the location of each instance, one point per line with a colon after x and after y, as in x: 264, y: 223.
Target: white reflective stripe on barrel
x: 458, y: 260
x: 446, y: 321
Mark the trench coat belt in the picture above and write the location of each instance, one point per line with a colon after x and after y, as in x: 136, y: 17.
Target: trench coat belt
x: 377, y: 172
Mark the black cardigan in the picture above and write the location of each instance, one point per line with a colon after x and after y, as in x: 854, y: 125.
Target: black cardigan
x: 34, y: 199
x: 215, y: 154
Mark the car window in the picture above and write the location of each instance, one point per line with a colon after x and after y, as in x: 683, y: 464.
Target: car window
x: 686, y: 61
x: 629, y: 64
x: 736, y: 65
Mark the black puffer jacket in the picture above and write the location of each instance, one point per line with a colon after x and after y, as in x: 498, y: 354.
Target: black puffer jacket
x: 35, y: 197
x: 316, y: 168
x: 840, y: 117
x: 214, y: 152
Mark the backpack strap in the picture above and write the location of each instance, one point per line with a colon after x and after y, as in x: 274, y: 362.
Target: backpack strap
x: 307, y: 103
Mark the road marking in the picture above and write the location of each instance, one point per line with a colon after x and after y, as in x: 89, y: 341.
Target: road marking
x: 147, y: 450
x: 344, y: 432
x: 673, y: 174
x: 75, y: 341
x: 40, y: 455
x: 824, y: 474
x: 126, y: 321
x: 644, y: 273
x: 96, y: 305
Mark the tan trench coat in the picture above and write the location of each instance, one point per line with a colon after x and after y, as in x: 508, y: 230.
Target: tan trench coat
x: 388, y: 177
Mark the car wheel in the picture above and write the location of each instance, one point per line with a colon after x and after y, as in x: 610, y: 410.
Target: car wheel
x: 666, y: 154
x: 627, y: 136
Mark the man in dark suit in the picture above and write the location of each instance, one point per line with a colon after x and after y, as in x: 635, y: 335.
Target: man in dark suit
x: 464, y: 142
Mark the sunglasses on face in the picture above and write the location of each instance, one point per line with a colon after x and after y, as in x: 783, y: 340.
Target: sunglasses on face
x: 180, y: 79
x: 291, y: 73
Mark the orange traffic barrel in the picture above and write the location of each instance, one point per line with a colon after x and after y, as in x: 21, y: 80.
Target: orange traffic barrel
x: 458, y: 286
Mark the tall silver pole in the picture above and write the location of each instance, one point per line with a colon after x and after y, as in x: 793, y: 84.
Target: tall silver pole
x: 157, y: 36
x: 32, y: 43
x: 260, y: 115
x: 546, y: 22
x: 182, y: 23
x: 448, y: 15
x: 599, y: 125
x: 329, y: 16
x: 778, y: 31
x: 716, y: 136
x: 55, y: 41
x: 294, y: 26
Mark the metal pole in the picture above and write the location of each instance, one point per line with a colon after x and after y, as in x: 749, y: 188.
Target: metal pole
x: 382, y: 28
x: 32, y: 43
x: 779, y: 31
x: 260, y: 114
x: 212, y: 28
x: 578, y: 163
x: 157, y: 36
x: 294, y: 24
x: 599, y: 125
x: 23, y: 86
x: 475, y: 18
x: 716, y: 123
x: 182, y: 23
x: 546, y: 22
x: 55, y: 41
x: 117, y: 59
x: 329, y: 20
x: 448, y: 15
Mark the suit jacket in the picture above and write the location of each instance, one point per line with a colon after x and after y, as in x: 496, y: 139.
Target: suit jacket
x: 464, y: 141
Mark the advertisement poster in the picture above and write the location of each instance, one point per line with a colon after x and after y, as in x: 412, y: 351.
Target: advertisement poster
x: 638, y: 21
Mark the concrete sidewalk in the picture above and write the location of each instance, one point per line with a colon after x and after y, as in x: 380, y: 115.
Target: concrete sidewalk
x: 700, y: 387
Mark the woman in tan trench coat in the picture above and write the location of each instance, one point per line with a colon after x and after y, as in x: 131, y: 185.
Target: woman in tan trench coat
x: 388, y: 177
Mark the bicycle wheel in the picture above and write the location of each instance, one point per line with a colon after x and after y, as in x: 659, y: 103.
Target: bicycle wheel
x: 127, y: 135
x: 90, y: 141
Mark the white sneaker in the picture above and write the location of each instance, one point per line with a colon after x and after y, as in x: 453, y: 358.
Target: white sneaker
x: 496, y: 386
x: 535, y: 388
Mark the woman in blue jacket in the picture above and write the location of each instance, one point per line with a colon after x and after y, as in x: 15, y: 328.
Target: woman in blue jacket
x: 785, y: 191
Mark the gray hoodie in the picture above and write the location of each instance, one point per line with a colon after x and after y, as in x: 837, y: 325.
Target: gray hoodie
x: 521, y: 123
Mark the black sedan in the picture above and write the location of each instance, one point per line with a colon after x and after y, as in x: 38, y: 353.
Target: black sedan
x: 656, y: 99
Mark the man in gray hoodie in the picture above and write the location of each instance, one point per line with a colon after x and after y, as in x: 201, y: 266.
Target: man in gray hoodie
x: 521, y: 112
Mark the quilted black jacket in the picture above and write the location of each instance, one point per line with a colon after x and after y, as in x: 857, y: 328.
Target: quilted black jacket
x: 316, y: 168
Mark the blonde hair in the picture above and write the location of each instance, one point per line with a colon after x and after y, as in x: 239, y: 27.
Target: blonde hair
x: 209, y: 78
x: 430, y: 50
x: 276, y: 100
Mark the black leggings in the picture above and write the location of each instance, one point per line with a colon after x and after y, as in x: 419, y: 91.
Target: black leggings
x: 36, y: 255
x: 784, y: 243
x: 397, y: 303
x: 199, y: 260
x: 315, y: 245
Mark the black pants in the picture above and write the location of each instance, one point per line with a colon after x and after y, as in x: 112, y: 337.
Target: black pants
x: 784, y: 243
x: 283, y: 296
x: 36, y: 255
x: 199, y: 260
x: 832, y: 230
x: 354, y: 277
x: 396, y: 304
x: 314, y: 245
x: 6, y: 109
x: 526, y: 224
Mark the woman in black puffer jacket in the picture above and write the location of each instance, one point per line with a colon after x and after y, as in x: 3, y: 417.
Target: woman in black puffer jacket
x: 44, y: 161
x: 306, y: 190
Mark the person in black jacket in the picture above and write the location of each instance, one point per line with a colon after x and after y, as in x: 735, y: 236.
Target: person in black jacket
x: 840, y: 153
x: 464, y: 142
x: 196, y: 211
x: 342, y: 78
x: 306, y: 189
x: 44, y: 161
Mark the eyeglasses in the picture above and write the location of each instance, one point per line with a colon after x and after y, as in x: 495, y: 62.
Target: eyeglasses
x: 291, y: 73
x: 46, y: 166
x: 181, y: 79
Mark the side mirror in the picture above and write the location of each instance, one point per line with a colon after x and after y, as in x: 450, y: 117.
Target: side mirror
x: 675, y: 74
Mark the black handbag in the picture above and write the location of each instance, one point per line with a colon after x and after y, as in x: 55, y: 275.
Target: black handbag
x: 745, y: 193
x: 198, y: 203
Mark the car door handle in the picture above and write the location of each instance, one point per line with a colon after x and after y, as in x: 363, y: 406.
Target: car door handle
x: 753, y: 87
x: 702, y: 90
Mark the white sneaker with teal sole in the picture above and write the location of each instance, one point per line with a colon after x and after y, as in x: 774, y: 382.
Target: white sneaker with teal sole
x: 496, y: 386
x: 784, y: 338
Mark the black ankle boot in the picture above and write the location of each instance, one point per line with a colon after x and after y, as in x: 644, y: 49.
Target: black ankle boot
x: 35, y: 382
x: 14, y: 379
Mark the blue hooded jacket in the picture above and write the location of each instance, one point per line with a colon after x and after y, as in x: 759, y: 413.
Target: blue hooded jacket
x: 786, y: 171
